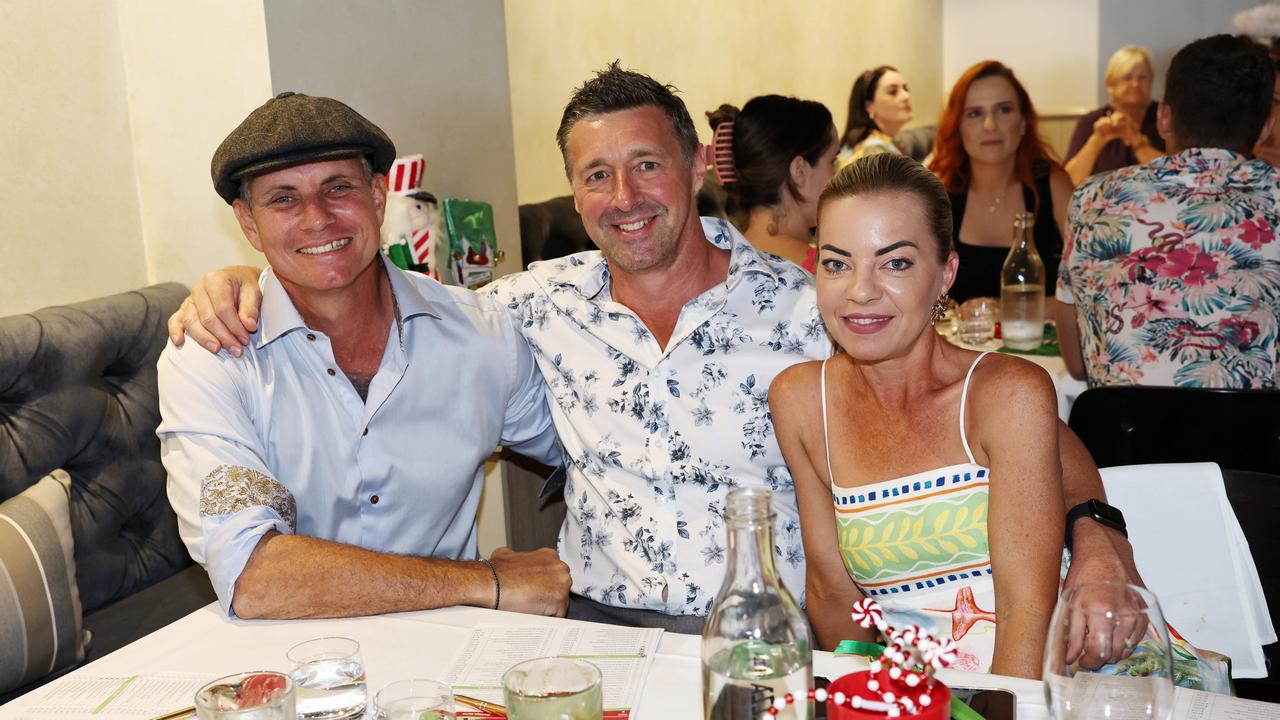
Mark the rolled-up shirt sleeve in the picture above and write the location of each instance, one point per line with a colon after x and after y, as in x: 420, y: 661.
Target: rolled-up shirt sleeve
x: 225, y: 496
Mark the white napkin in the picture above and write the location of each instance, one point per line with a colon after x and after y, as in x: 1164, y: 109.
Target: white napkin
x: 1193, y: 555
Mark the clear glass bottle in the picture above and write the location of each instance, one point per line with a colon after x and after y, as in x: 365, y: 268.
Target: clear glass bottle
x: 756, y: 645
x: 1022, y: 289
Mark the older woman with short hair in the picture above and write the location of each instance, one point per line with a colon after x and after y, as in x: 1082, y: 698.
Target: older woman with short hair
x: 1122, y: 132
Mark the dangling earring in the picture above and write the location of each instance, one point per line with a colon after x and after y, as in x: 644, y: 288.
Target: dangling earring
x: 940, y: 307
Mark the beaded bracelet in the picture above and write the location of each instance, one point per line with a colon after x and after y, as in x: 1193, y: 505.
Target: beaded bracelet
x: 497, y: 586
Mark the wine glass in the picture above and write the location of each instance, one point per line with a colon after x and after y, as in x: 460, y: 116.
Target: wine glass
x: 1108, y: 655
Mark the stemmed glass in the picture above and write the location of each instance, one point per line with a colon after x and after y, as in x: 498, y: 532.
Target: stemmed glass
x: 1108, y: 655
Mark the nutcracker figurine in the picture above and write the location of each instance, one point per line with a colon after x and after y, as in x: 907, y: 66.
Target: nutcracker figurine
x: 412, y: 232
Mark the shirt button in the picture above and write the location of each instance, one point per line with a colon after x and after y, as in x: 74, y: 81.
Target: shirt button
x: 373, y: 500
x: 330, y: 371
x: 366, y: 432
x: 311, y: 337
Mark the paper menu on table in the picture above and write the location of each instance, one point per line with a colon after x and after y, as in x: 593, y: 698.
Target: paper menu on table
x: 1195, y: 705
x: 622, y: 654
x: 118, y: 697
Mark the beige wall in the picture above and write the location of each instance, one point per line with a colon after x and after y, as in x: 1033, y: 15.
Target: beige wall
x: 1050, y: 44
x: 112, y: 112
x: 69, y: 228
x: 194, y: 71
x: 715, y: 51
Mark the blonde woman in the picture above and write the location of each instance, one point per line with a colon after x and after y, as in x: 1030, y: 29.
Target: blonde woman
x: 1123, y: 132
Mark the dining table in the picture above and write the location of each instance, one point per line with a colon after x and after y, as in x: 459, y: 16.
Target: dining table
x: 423, y: 644
x: 207, y: 644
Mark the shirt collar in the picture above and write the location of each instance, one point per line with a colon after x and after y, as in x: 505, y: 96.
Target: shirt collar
x: 588, y: 272
x: 1200, y: 159
x: 279, y: 316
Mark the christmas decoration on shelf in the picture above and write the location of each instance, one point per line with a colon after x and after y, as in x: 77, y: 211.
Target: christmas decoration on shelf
x: 412, y: 229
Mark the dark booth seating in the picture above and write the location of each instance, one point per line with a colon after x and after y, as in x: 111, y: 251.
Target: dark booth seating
x: 78, y: 393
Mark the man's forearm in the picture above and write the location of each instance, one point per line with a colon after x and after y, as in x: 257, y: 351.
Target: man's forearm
x: 291, y: 576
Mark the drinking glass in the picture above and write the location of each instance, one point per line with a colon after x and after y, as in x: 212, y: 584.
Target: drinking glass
x: 329, y: 676
x: 554, y: 688
x: 258, y: 695
x: 414, y: 700
x: 978, y: 320
x: 1117, y: 624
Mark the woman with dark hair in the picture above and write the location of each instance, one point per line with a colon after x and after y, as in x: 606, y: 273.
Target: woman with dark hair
x: 994, y: 165
x: 879, y: 107
x: 773, y: 158
x: 943, y: 463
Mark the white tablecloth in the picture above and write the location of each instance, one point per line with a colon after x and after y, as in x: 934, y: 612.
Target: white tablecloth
x: 425, y: 644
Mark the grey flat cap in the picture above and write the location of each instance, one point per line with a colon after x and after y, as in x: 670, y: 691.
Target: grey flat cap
x: 291, y: 129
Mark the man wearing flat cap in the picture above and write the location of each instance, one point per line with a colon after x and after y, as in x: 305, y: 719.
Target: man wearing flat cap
x: 315, y: 475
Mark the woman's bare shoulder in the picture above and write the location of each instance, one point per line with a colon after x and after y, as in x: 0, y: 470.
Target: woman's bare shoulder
x: 796, y: 388
x: 1002, y: 380
x: 797, y: 378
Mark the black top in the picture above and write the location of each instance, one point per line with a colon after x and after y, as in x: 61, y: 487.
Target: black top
x: 979, y: 274
x: 1115, y: 154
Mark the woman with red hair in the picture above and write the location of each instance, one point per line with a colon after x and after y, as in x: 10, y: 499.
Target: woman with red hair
x: 994, y: 165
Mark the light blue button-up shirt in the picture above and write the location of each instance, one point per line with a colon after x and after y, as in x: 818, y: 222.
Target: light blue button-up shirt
x: 278, y: 439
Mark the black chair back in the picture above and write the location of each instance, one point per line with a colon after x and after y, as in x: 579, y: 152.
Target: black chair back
x: 1129, y: 425
x: 1255, y: 497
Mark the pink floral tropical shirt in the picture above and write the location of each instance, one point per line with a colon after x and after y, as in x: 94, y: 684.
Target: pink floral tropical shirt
x: 1174, y: 269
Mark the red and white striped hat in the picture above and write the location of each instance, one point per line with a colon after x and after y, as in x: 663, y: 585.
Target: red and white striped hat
x: 405, y: 177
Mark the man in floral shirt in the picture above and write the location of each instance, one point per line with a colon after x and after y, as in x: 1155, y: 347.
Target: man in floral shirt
x: 1174, y: 267
x: 658, y: 354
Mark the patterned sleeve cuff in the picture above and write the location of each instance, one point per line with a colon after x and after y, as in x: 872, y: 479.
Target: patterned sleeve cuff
x: 238, y: 506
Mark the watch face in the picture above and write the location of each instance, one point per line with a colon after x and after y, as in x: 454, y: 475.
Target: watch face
x: 1106, y: 513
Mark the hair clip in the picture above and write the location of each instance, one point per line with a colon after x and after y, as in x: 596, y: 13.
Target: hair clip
x: 722, y: 153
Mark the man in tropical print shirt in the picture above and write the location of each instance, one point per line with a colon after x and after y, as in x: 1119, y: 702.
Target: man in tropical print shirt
x: 1173, y: 267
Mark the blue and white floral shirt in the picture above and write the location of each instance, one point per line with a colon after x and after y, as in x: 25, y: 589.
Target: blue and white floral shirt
x: 655, y: 438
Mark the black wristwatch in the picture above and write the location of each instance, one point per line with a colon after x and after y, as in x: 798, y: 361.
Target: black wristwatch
x: 1099, y: 511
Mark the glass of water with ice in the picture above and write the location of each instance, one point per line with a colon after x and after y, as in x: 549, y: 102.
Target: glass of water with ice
x: 329, y: 676
x: 978, y: 320
x: 553, y: 688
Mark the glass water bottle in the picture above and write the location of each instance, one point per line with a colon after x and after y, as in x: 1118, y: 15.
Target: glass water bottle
x: 1022, y: 289
x: 756, y: 645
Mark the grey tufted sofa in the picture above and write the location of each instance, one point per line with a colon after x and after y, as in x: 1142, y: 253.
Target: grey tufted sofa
x: 78, y: 392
